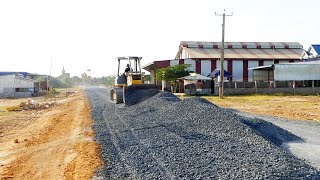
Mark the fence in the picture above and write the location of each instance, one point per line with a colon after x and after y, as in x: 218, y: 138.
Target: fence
x: 277, y: 87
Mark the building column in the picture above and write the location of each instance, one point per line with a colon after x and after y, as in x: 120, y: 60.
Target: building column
x: 198, y: 66
x: 230, y: 68
x: 213, y: 65
x: 245, y: 71
x: 152, y: 77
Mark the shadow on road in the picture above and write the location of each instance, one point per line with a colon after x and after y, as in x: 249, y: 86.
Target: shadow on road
x: 271, y: 132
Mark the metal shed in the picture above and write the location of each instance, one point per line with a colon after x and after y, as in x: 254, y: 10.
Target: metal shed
x: 288, y: 72
x: 297, y: 71
x: 16, y: 85
x: 297, y: 78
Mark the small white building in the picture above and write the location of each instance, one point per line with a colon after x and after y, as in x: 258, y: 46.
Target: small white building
x: 16, y: 85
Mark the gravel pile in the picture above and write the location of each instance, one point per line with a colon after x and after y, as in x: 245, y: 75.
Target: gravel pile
x: 163, y: 137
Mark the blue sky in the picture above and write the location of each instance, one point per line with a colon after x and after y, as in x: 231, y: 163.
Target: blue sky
x: 82, y: 34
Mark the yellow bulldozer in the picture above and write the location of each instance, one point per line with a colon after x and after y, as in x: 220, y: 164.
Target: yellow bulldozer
x: 129, y: 83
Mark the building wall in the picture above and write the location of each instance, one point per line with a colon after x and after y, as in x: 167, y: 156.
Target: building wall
x: 237, y: 74
x: 225, y: 65
x: 285, y: 72
x: 7, y: 81
x: 237, y: 67
x: 174, y: 62
x: 192, y: 63
x: 205, y: 67
x: 268, y: 62
x: 9, y: 85
x: 252, y: 64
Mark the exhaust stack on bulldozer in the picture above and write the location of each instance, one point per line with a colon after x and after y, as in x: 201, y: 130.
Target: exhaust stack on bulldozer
x: 129, y: 83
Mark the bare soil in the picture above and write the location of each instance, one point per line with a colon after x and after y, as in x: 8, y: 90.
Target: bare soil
x: 55, y: 143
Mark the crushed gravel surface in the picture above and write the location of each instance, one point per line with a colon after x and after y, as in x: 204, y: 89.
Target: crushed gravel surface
x: 307, y: 146
x: 165, y: 138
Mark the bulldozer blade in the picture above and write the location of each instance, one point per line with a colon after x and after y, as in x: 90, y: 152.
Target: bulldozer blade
x: 139, y: 92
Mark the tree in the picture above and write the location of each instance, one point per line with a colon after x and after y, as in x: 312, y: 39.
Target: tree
x: 66, y: 82
x: 76, y: 80
x: 108, y: 81
x: 173, y: 73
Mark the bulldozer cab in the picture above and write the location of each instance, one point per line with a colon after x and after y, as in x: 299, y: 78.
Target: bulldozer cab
x: 129, y: 71
x: 129, y: 86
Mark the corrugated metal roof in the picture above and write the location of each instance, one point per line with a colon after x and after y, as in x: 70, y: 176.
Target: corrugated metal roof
x: 305, y: 62
x: 242, y: 45
x: 316, y: 47
x: 24, y: 74
x: 245, y: 53
x: 262, y: 67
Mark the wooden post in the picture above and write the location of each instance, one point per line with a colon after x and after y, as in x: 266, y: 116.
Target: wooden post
x: 235, y: 86
x: 312, y: 86
x: 274, y: 84
x: 256, y: 86
x: 294, y: 87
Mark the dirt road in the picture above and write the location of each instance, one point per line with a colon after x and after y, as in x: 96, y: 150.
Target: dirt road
x: 55, y: 143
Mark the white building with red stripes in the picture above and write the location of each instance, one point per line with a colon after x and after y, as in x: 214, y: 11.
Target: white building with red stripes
x: 204, y: 57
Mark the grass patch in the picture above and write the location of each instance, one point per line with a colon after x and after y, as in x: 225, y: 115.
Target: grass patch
x: 287, y: 106
x: 4, y: 113
x: 64, y: 89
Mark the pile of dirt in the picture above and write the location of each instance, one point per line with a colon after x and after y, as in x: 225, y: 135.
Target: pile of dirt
x: 31, y: 105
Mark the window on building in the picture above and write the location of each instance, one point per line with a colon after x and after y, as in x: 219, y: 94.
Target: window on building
x: 24, y: 89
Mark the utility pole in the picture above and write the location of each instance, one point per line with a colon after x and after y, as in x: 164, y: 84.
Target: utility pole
x: 222, y: 53
x: 50, y: 73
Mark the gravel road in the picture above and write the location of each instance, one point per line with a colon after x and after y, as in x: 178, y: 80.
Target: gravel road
x: 308, y: 147
x: 165, y: 138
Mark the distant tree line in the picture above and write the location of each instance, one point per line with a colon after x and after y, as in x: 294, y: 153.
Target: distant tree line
x: 84, y: 80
